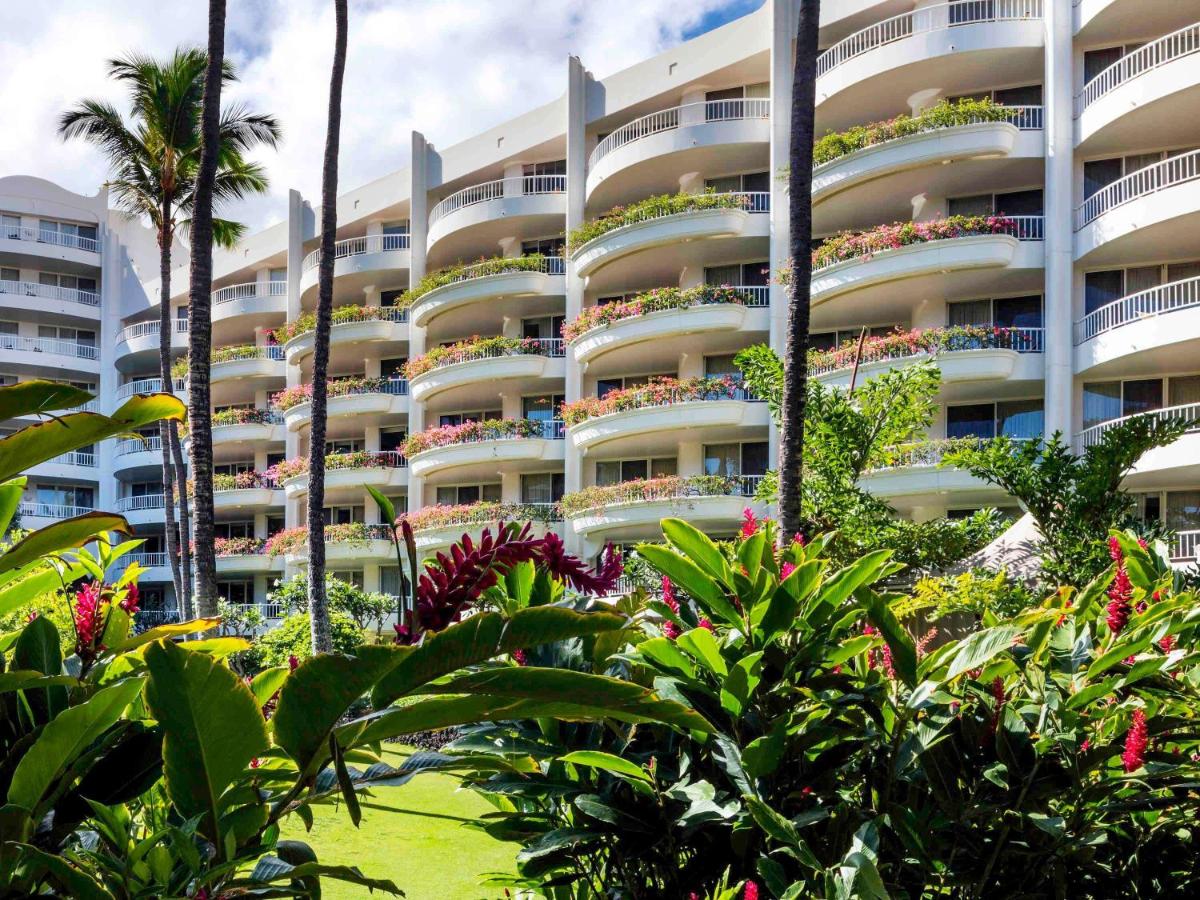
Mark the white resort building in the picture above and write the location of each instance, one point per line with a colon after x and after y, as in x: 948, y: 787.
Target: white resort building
x: 468, y: 320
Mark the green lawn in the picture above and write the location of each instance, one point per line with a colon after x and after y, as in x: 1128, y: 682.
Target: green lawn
x: 414, y: 835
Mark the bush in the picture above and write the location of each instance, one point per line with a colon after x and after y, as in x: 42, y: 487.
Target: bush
x: 293, y: 637
x: 649, y: 302
x: 366, y: 608
x: 658, y: 391
x: 651, y: 208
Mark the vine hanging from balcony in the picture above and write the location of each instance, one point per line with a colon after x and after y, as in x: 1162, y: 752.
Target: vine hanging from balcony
x: 652, y: 208
x: 660, y: 391
x: 460, y: 271
x: 857, y: 244
x: 654, y: 301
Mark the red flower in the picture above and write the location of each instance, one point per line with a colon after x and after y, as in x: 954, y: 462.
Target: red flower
x: 1087, y: 742
x: 1120, y: 592
x: 999, y: 697
x: 786, y: 569
x: 1167, y: 644
x: 798, y: 538
x: 705, y: 624
x: 1135, y: 743
x: 132, y: 596
x: 749, y: 523
x: 293, y: 662
x: 1114, y: 549
x: 519, y: 657
x: 668, y: 595
x: 404, y: 635
x: 88, y: 620
x: 750, y: 892
x: 670, y: 630
x: 1142, y: 543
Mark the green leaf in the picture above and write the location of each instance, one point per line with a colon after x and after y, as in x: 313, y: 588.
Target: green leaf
x: 39, y: 649
x: 606, y: 761
x: 698, y: 547
x: 386, y: 507
x: 848, y: 650
x: 763, y: 755
x: 272, y: 868
x: 175, y: 629
x: 24, y: 679
x: 344, y: 781
x: 1119, y: 651
x: 11, y: 493
x: 65, y: 535
x: 31, y: 398
x: 743, y: 679
x: 663, y: 651
x: 701, y: 644
x: 980, y: 647
x: 39, y: 577
x: 74, y: 882
x: 266, y: 683
x: 211, y: 725
x: 864, y: 570
x: 687, y: 575
x: 904, y: 654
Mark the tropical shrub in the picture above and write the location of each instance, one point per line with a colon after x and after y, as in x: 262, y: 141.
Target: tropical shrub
x: 904, y: 344
x: 658, y: 391
x: 653, y: 301
x: 342, y: 315
x: 640, y: 490
x: 476, y: 348
x: 338, y: 387
x: 239, y: 546
x: 292, y: 638
x: 242, y: 416
x: 651, y: 208
x: 486, y: 430
x: 978, y: 594
x: 855, y: 244
x: 485, y: 265
x: 367, y: 609
x: 946, y: 114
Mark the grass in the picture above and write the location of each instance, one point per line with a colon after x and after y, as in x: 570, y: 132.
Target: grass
x: 415, y: 835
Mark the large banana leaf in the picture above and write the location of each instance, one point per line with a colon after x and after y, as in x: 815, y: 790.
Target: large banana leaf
x: 10, y: 498
x: 36, y: 397
x: 65, y: 535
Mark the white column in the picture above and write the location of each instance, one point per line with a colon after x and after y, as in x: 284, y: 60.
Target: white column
x: 299, y: 224
x: 1059, y: 131
x: 418, y: 228
x: 576, y: 125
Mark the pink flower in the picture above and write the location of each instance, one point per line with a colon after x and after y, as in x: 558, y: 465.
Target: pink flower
x: 749, y: 523
x: 1135, y: 743
x: 1120, y: 595
x: 786, y: 569
x: 750, y: 892
x: 705, y: 624
x: 1086, y: 745
x: 88, y: 620
x: 668, y: 595
x: 799, y: 538
x: 519, y: 657
x: 132, y: 596
x: 670, y: 630
x: 293, y: 662
x: 1167, y: 644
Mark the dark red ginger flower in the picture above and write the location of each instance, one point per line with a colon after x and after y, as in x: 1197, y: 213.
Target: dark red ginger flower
x: 132, y: 597
x: 519, y: 657
x: 1167, y: 644
x: 999, y: 697
x: 293, y: 662
x: 786, y: 569
x: 705, y: 624
x: 88, y: 619
x: 1136, y: 742
x: 1120, y: 592
x: 750, y: 892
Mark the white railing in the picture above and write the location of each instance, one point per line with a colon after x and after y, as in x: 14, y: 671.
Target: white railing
x: 149, y: 386
x: 58, y: 238
x: 373, y: 459
x: 249, y: 291
x: 989, y: 337
x: 146, y: 560
x: 144, y: 329
x: 921, y: 21
x: 1186, y: 547
x: 237, y: 354
x: 1168, y: 173
x: 550, y: 265
x: 74, y: 458
x: 552, y: 347
x: 516, y: 186
x: 125, y: 446
x: 754, y: 295
x: 266, y: 610
x: 1027, y: 228
x: 1029, y: 118
x: 1155, y: 301
x: 145, y: 501
x: 1187, y: 412
x: 371, y: 243
x: 49, y: 345
x: 39, y: 510
x: 50, y: 292
x: 1176, y: 45
x: 682, y: 116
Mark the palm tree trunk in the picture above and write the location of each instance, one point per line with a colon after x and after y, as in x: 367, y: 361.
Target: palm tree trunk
x: 164, y: 368
x: 200, y: 316
x: 318, y: 602
x: 185, y: 524
x: 795, y: 360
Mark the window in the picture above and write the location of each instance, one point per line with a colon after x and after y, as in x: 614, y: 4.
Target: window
x: 612, y: 471
x: 349, y: 577
x: 388, y: 298
x: 458, y: 418
x: 551, y: 246
x: 62, y: 333
x: 238, y: 529
x: 236, y: 593
x: 1108, y: 285
x: 736, y: 459
x: 393, y: 367
x: 542, y: 409
x: 396, y: 227
x: 392, y: 439
x: 277, y: 276
x: 727, y: 102
x: 831, y: 340
x: 275, y: 524
x: 342, y: 515
x: 1096, y: 61
x: 454, y: 494
x: 10, y: 274
x: 1003, y: 312
x: 67, y: 282
x: 1013, y: 203
x: 234, y: 468
x: 751, y: 274
x: 1099, y: 173
x: 70, y: 495
x: 144, y: 489
x: 1018, y: 419
x: 964, y: 12
x: 10, y: 227
x: 722, y: 364
x: 343, y: 445
x: 544, y: 177
x: 605, y: 386
x: 389, y: 581
x: 543, y: 328
x: 1104, y: 401
x: 756, y: 183
x: 542, y: 487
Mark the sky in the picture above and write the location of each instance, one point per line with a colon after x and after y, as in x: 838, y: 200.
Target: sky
x: 448, y: 68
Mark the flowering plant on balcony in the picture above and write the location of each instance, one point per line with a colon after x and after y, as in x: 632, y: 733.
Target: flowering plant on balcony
x: 657, y: 392
x: 293, y: 540
x: 351, y: 312
x: 357, y: 459
x: 179, y: 368
x: 340, y: 387
x: 446, y: 515
x: 241, y: 481
x: 945, y: 114
x: 651, y: 301
x: 241, y: 416
x: 475, y: 348
x: 487, y: 430
x: 855, y: 244
x: 641, y: 490
x: 900, y: 344
x: 652, y: 208
x: 460, y: 271
x: 240, y: 546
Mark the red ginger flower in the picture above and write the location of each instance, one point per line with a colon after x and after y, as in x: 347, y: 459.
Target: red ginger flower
x: 705, y: 624
x: 293, y: 662
x: 1120, y: 592
x: 519, y: 657
x: 799, y: 538
x: 1000, y: 697
x: 88, y: 620
x: 749, y: 523
x: 132, y: 597
x: 750, y: 892
x: 1114, y: 549
x: 668, y: 595
x: 1167, y: 644
x: 670, y: 630
x: 786, y: 569
x: 1136, y: 742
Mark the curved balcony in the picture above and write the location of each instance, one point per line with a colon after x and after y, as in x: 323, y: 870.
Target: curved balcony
x: 137, y: 344
x: 473, y: 368
x: 1174, y: 465
x: 437, y: 527
x: 31, y: 296
x: 1148, y: 91
x: 485, y: 448
x: 963, y: 354
x: 351, y: 326
x: 241, y: 426
x: 155, y: 568
x: 1151, y: 214
x: 634, y: 509
x: 146, y: 509
x: 42, y: 243
x: 1163, y: 319
x: 999, y: 146
x: 251, y: 304
x: 151, y: 386
x: 482, y: 294
x: 1099, y: 23
x: 913, y: 478
x: 729, y: 216
x: 359, y: 262
x: 654, y: 329
x: 247, y: 492
x: 994, y: 255
x: 35, y: 514
x: 871, y: 73
x: 650, y: 152
x: 138, y: 453
x: 349, y: 544
x: 664, y: 413
x: 495, y: 210
x: 75, y: 464
x: 51, y: 353
x: 245, y: 556
x: 247, y: 363
x: 346, y: 472
x: 1185, y: 549
x: 366, y: 398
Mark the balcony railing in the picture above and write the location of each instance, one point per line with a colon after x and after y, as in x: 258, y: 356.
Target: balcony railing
x: 1186, y: 546
x: 1187, y: 412
x: 681, y: 116
x: 152, y: 618
x: 151, y: 443
x: 1156, y: 301
x: 74, y: 458
x: 669, y: 487
x: 49, y: 292
x: 237, y: 354
x: 1176, y: 45
x: 41, y: 236
x: 931, y: 342
x: 930, y: 453
x: 144, y: 501
x: 146, y: 560
x: 149, y: 386
x: 551, y: 265
x: 39, y: 510
x: 520, y: 185
x: 1168, y: 173
x: 266, y: 610
x: 144, y: 329
x: 49, y: 345
x: 249, y: 291
x: 371, y: 243
x: 922, y: 21
x: 551, y: 347
x: 1027, y: 228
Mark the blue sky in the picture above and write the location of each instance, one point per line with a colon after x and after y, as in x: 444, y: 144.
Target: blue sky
x: 716, y: 18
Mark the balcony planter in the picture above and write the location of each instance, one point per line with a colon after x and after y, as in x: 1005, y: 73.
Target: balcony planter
x: 709, y: 501
x: 487, y: 359
x: 492, y: 441
x: 344, y: 470
x: 459, y: 286
x: 350, y: 325
x: 347, y: 396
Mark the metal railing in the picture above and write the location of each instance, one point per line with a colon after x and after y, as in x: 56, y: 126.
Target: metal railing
x: 1168, y: 173
x: 370, y: 243
x: 237, y: 354
x: 922, y: 21
x: 266, y: 610
x: 149, y: 386
x: 375, y: 459
x: 41, y: 236
x: 1166, y: 49
x: 144, y: 501
x: 1155, y: 301
x: 1027, y: 228
x: 152, y: 618
x: 126, y: 446
x: 1022, y: 340
x: 1187, y: 412
x: 250, y: 290
x: 516, y: 186
x: 754, y: 295
x: 49, y: 345
x: 144, y: 329
x: 39, y: 510
x: 551, y: 347
x: 681, y: 116
x: 74, y: 458
x: 1186, y: 546
x: 550, y: 265
x: 50, y: 292
x: 146, y: 560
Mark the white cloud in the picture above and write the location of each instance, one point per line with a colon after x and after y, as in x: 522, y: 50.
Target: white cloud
x: 448, y: 68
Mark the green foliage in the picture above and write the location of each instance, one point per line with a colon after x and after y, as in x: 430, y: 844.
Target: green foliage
x: 979, y: 594
x: 293, y: 637
x: 495, y: 265
x: 651, y: 208
x: 366, y: 609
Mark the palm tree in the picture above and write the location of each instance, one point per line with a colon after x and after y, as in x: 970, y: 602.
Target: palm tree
x: 795, y: 359
x: 153, y: 161
x: 318, y: 603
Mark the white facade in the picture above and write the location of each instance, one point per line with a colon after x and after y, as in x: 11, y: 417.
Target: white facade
x: 1099, y: 279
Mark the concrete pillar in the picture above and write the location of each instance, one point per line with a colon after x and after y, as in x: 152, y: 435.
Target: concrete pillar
x: 783, y: 34
x: 510, y: 487
x: 297, y: 215
x: 690, y: 460
x: 513, y: 179
x: 418, y: 229
x: 1059, y: 243
x: 576, y: 126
